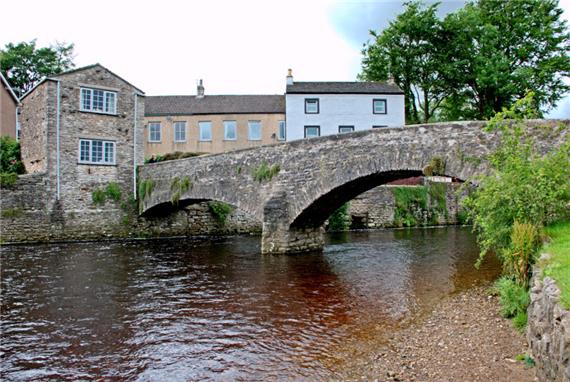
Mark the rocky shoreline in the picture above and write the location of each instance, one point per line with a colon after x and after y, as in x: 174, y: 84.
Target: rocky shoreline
x: 463, y: 339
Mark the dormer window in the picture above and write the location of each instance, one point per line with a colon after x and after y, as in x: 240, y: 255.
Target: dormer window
x: 98, y: 101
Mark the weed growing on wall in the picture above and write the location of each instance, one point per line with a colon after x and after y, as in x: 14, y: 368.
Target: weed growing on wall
x: 409, y: 200
x: 178, y: 187
x: 220, y: 211
x: 8, y: 178
x: 113, y: 191
x: 98, y: 196
x: 265, y: 172
x: 145, y: 188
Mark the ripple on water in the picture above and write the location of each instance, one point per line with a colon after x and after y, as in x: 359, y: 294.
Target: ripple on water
x: 181, y: 310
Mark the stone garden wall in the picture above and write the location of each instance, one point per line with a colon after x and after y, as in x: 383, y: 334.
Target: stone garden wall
x: 548, y: 331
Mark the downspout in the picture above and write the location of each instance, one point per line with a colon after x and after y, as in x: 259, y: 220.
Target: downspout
x: 136, y: 95
x: 57, y: 125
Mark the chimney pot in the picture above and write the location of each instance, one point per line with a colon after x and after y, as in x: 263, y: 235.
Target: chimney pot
x: 289, y: 77
x: 200, y: 90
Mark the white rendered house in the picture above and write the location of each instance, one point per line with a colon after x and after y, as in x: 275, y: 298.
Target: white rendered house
x: 323, y: 108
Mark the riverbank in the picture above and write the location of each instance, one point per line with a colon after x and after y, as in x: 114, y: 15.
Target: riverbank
x: 463, y: 339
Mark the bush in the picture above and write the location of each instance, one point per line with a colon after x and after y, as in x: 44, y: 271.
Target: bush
x: 220, y: 211
x: 514, y: 299
x: 523, y: 186
x: 340, y: 220
x: 517, y: 259
x: 10, y: 159
x: 409, y: 200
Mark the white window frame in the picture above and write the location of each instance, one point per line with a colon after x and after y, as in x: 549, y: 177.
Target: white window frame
x: 312, y: 127
x: 150, y: 125
x: 177, y: 124
x: 379, y: 100
x: 90, y: 108
x: 250, y: 125
x: 200, y: 131
x: 312, y: 101
x: 282, y: 131
x: 227, y: 126
x: 345, y: 127
x: 103, y: 161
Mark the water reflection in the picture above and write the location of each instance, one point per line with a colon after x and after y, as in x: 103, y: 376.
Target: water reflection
x: 181, y: 310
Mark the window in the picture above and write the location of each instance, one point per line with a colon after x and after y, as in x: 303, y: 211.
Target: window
x: 281, y: 134
x: 379, y: 126
x: 94, y: 151
x: 379, y: 106
x: 230, y: 130
x: 311, y: 106
x: 312, y: 131
x: 254, y: 130
x: 345, y: 129
x: 179, y: 131
x: 98, y: 101
x: 205, y: 128
x: 154, y: 132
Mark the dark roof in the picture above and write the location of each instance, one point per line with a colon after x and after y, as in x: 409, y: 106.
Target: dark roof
x: 92, y: 66
x: 214, y: 104
x: 343, y: 88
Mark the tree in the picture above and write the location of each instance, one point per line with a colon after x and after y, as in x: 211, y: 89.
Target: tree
x: 409, y: 51
x: 24, y: 65
x: 500, y: 50
x: 476, y: 61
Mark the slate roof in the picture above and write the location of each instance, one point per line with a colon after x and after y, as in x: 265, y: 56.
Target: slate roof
x: 214, y: 104
x: 343, y: 88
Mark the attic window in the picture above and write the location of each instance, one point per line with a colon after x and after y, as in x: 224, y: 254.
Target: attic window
x: 98, y: 101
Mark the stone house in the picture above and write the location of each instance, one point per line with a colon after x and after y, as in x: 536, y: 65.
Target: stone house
x: 83, y: 130
x: 323, y: 108
x: 8, y: 109
x: 212, y: 123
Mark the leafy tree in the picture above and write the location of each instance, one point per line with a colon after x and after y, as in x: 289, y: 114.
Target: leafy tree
x: 24, y: 65
x: 500, y: 50
x: 410, y: 52
x: 10, y: 161
x: 476, y: 61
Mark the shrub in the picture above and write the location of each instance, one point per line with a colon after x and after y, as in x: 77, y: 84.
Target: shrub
x: 220, y: 211
x: 409, y: 200
x: 10, y: 159
x: 265, y: 172
x: 340, y: 220
x: 514, y: 299
x: 517, y: 259
x: 523, y: 186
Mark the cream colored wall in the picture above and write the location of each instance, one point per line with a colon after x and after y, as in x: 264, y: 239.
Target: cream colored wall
x: 269, y: 133
x: 7, y: 113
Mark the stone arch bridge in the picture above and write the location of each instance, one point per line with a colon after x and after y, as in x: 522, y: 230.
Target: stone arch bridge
x: 316, y: 176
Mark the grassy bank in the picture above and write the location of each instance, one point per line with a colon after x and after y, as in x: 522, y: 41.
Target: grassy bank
x: 558, y: 265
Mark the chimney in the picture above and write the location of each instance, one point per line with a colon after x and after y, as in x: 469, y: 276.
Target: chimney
x: 289, y: 77
x: 200, y: 90
x: 391, y: 80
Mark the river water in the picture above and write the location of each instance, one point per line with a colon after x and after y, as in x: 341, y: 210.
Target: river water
x: 183, y: 310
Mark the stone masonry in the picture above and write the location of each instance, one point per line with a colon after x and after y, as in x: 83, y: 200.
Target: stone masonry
x: 548, y: 330
x: 316, y: 176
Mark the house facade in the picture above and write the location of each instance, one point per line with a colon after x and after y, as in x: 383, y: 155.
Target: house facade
x: 83, y: 130
x: 323, y: 108
x: 8, y: 110
x: 212, y: 123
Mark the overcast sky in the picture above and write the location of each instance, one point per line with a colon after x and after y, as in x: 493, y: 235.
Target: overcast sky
x: 236, y: 47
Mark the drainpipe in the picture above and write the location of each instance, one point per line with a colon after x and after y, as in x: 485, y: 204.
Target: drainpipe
x: 136, y: 95
x: 57, y: 125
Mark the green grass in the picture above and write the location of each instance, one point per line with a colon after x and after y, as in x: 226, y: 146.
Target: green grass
x: 558, y: 266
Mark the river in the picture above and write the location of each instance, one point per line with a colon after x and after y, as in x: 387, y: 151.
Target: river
x: 187, y: 310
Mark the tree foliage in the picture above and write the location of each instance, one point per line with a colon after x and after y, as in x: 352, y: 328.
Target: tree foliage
x: 10, y: 160
x: 523, y: 186
x: 475, y: 61
x: 24, y: 65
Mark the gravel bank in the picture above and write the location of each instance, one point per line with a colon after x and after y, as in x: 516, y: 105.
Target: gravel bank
x: 463, y: 339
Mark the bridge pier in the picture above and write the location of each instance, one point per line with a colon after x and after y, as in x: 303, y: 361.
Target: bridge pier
x: 292, y: 240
